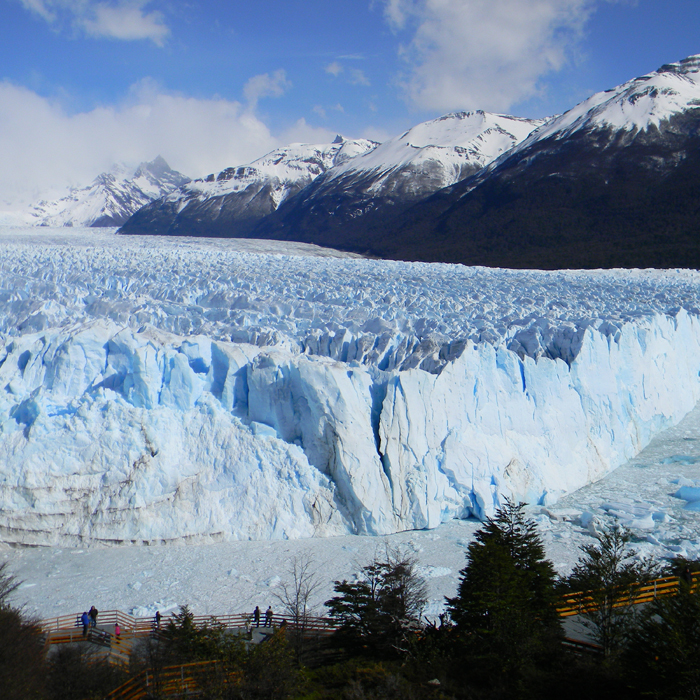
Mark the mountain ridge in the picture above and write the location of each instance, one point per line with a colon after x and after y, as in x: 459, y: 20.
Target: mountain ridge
x: 234, y: 200
x: 613, y: 182
x: 111, y: 198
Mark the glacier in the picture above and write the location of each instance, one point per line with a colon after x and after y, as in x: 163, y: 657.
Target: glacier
x: 181, y: 390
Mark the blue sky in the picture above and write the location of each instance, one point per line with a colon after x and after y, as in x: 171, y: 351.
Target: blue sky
x: 209, y: 84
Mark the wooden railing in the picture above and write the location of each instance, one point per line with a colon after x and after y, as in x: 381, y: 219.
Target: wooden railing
x: 184, y: 680
x: 577, y: 603
x: 143, y: 626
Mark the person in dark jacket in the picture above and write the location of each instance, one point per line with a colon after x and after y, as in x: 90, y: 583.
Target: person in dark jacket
x: 256, y: 616
x: 268, y: 616
x: 93, y: 616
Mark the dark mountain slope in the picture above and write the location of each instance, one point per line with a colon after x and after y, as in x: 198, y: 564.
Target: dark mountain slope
x: 598, y: 199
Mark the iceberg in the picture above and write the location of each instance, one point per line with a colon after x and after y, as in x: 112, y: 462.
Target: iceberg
x: 195, y: 392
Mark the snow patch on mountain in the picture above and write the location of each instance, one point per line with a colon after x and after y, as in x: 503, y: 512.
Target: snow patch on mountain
x: 449, y: 148
x: 283, y: 169
x: 636, y: 105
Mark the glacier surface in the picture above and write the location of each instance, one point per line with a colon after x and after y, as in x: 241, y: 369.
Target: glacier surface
x: 157, y: 390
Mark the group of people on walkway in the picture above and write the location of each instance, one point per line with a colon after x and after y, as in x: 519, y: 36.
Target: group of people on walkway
x: 268, y: 616
x: 88, y: 619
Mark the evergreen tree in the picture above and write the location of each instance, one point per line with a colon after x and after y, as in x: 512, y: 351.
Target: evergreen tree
x: 184, y: 641
x: 609, y: 574
x: 377, y: 611
x: 663, y: 654
x: 22, y: 653
x: 505, y: 603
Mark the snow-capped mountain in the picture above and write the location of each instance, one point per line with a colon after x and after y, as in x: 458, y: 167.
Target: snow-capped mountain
x: 111, y: 198
x: 276, y: 192
x: 429, y: 156
x: 612, y: 182
x: 405, y: 169
x: 635, y: 107
x: 229, y: 203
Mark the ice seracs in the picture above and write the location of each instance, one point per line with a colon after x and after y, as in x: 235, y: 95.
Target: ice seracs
x: 194, y: 392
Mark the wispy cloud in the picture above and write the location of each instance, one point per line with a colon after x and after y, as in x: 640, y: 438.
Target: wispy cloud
x: 354, y: 76
x: 323, y: 111
x: 302, y: 132
x: 126, y: 20
x: 266, y: 85
x: 334, y: 69
x: 488, y: 54
x: 357, y: 77
x: 41, y: 8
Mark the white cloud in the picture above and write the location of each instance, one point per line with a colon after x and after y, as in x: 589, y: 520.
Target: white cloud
x: 40, y: 8
x: 266, y: 85
x: 335, y: 69
x: 302, y: 132
x: 43, y: 148
x: 318, y: 109
x: 398, y: 11
x: 375, y: 133
x: 357, y: 77
x: 125, y: 20
x: 486, y: 54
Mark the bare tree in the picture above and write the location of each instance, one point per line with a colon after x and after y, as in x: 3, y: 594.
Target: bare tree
x: 295, y: 596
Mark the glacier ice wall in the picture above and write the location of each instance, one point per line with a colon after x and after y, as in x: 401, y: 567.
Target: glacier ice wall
x: 196, y: 393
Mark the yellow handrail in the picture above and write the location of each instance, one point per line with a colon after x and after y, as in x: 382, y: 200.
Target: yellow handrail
x: 585, y: 601
x: 170, y: 680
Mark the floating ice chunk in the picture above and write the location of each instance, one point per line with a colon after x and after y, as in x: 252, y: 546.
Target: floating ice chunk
x: 682, y: 481
x: 586, y: 519
x: 644, y: 523
x: 147, y: 611
x: 562, y: 514
x: 688, y: 493
x: 433, y: 571
x: 681, y: 459
x: 693, y: 506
